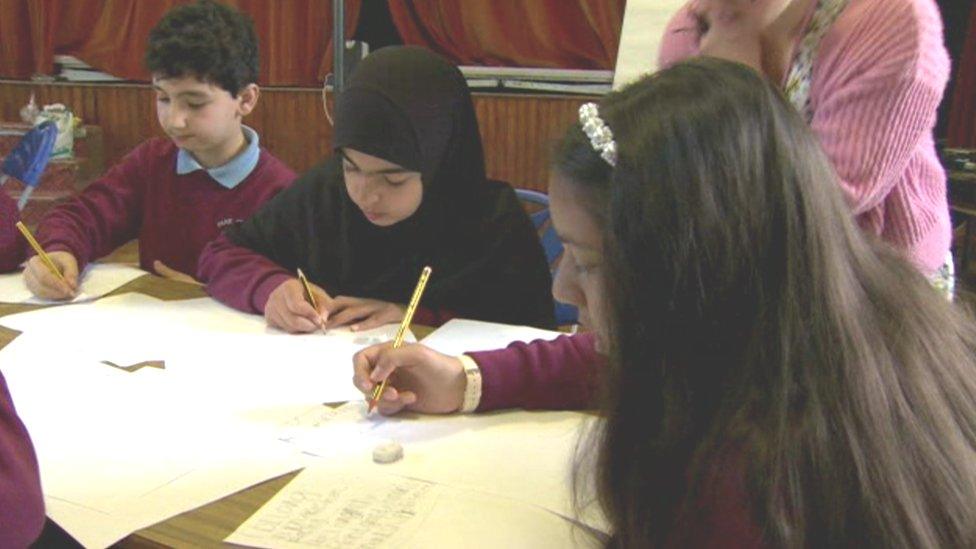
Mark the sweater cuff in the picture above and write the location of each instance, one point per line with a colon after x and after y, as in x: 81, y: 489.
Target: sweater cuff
x: 263, y: 291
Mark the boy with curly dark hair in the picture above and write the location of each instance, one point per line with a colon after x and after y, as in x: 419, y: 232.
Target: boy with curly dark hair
x: 175, y: 194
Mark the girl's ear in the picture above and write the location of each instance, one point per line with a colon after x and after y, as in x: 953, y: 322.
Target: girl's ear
x: 248, y: 99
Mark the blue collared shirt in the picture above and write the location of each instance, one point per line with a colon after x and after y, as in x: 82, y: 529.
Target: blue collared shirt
x: 233, y: 172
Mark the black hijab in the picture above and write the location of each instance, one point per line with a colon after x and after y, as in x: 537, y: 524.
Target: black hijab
x: 411, y: 107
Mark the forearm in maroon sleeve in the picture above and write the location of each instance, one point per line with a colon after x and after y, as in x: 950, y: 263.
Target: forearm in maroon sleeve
x: 238, y: 276
x: 104, y: 216
x: 21, y: 502
x: 562, y: 374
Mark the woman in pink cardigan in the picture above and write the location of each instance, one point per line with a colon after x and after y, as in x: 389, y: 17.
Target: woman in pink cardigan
x: 868, y: 75
x: 775, y: 378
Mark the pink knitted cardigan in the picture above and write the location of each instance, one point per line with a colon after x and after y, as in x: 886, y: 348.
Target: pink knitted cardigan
x: 878, y: 77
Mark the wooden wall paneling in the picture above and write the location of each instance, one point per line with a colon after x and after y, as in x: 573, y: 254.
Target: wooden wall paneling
x: 293, y: 125
x: 127, y: 114
x: 517, y: 130
x: 518, y: 133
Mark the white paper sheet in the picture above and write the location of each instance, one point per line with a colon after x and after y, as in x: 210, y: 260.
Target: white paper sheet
x: 140, y: 446
x: 91, y: 528
x: 352, y: 507
x: 459, y: 336
x: 97, y: 280
x: 209, y: 350
x: 120, y: 450
x: 106, y: 438
x: 115, y: 456
x: 524, y: 456
x: 95, y: 529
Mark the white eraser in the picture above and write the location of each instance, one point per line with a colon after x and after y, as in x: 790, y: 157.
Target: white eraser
x: 387, y: 452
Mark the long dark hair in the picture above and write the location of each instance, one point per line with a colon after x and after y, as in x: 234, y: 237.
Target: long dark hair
x: 754, y: 326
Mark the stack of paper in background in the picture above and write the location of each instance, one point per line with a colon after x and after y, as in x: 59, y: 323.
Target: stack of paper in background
x: 73, y: 69
x: 539, y: 80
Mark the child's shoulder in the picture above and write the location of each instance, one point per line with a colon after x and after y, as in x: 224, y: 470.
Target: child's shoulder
x: 275, y: 164
x: 154, y: 149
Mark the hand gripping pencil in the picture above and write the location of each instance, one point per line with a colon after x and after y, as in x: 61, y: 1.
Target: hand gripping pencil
x: 404, y: 324
x: 40, y: 251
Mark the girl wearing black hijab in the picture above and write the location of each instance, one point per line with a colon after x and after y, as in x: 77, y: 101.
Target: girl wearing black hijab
x: 406, y: 188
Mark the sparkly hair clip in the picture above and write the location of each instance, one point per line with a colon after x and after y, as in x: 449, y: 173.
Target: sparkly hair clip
x: 601, y: 138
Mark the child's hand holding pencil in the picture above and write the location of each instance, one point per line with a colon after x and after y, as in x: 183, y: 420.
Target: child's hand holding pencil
x: 51, y: 275
x: 45, y: 284
x: 423, y: 380
x: 289, y: 308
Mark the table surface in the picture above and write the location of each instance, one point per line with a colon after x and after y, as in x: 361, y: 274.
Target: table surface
x: 210, y: 524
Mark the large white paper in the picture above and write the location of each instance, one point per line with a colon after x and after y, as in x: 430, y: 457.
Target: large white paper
x: 524, y: 456
x: 91, y: 528
x: 117, y: 454
x: 459, y: 336
x: 233, y: 404
x: 209, y: 351
x: 123, y: 448
x: 106, y: 438
x: 96, y: 529
x: 97, y: 280
x: 360, y: 507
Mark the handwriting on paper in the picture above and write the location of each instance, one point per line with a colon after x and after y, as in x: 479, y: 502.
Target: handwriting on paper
x: 347, y: 512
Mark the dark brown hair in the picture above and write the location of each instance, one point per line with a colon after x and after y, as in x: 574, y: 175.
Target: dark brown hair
x: 753, y: 323
x: 209, y: 40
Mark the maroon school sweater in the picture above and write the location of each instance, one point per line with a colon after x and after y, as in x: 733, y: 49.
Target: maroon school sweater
x: 21, y: 502
x: 563, y: 374
x: 173, y: 216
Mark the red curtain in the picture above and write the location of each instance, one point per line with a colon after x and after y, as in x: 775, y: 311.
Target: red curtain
x: 28, y: 30
x: 962, y: 115
x: 295, y: 35
x: 575, y: 34
x: 16, y: 50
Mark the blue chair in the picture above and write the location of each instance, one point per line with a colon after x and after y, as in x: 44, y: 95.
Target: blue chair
x: 27, y: 161
x: 565, y: 313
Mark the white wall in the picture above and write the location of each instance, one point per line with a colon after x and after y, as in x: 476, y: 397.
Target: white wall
x: 644, y: 22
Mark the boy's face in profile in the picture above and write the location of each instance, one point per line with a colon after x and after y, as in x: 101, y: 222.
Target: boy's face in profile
x: 201, y: 117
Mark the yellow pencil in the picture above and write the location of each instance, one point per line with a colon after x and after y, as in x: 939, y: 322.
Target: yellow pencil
x: 40, y: 251
x: 309, y: 296
x: 404, y: 324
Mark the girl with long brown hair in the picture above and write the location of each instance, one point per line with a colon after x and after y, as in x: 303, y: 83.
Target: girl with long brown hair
x: 776, y: 376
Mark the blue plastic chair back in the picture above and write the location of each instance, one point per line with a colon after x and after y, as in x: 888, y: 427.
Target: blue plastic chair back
x: 27, y: 161
x: 553, y: 247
